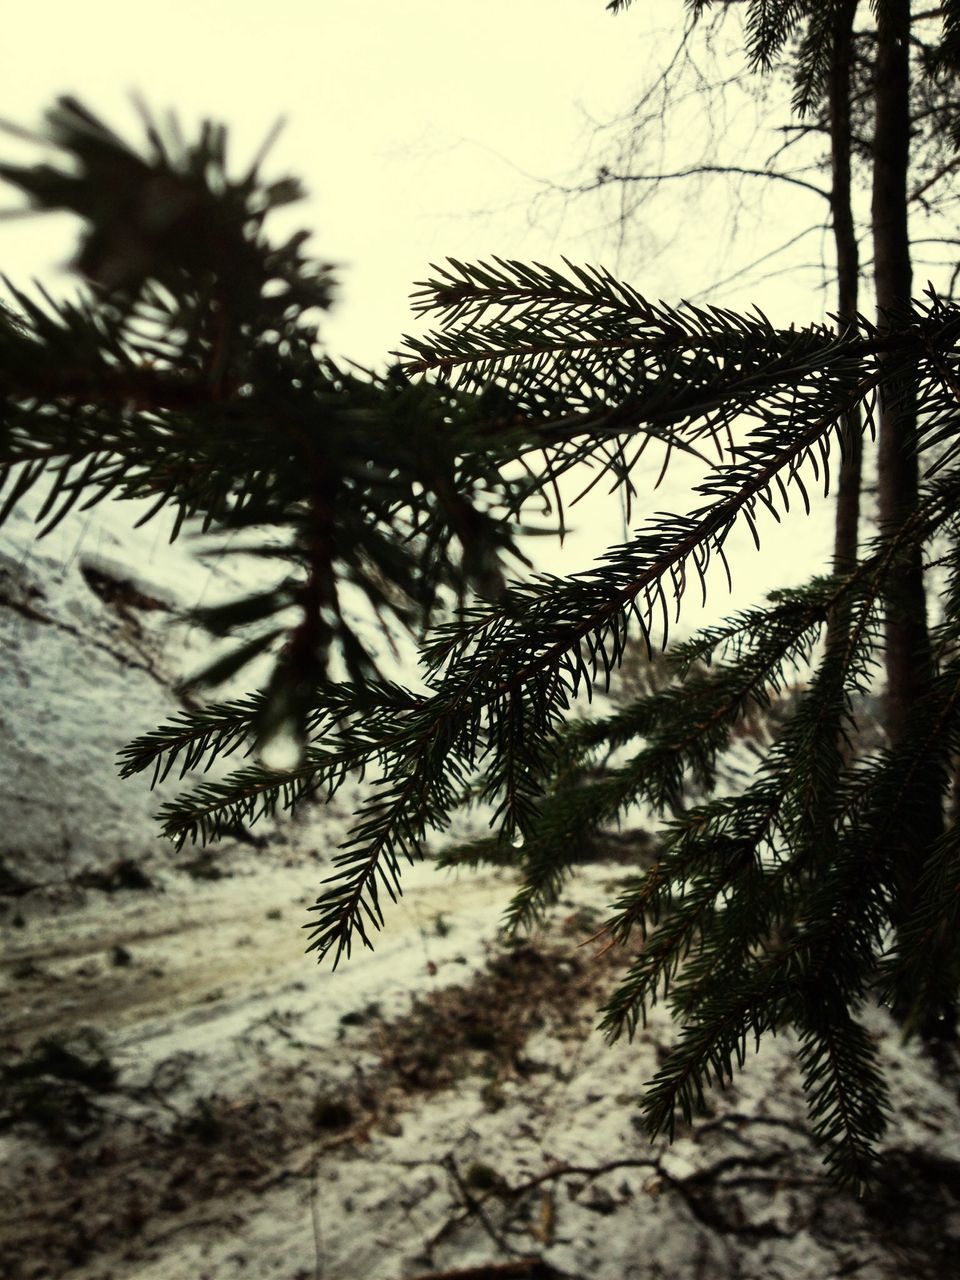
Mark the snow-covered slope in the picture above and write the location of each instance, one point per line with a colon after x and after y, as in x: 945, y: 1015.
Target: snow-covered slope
x: 90, y: 623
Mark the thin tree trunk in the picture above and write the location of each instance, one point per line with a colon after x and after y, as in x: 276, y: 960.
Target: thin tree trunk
x: 847, y: 520
x: 908, y: 655
x: 909, y: 659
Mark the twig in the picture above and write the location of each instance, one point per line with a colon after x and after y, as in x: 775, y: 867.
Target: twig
x: 734, y: 1119
x: 475, y: 1206
x: 693, y: 1189
x: 315, y: 1219
x: 230, y: 1221
x: 580, y: 1170
x: 519, y: 1269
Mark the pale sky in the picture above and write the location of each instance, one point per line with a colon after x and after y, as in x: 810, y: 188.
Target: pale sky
x: 414, y: 125
x: 421, y: 128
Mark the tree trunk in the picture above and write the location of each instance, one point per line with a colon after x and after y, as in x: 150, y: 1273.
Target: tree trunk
x: 908, y: 656
x: 846, y: 529
x: 909, y: 659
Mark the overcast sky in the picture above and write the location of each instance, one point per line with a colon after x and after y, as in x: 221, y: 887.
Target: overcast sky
x: 421, y: 128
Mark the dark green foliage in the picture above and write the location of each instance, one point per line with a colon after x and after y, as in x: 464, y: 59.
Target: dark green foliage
x: 189, y: 375
x: 193, y: 378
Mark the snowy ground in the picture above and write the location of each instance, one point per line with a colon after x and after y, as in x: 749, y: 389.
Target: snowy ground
x: 186, y: 1095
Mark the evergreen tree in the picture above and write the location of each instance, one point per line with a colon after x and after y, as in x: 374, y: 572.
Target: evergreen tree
x: 189, y: 374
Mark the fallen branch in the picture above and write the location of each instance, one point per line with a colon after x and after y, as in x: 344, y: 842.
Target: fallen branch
x: 518, y: 1269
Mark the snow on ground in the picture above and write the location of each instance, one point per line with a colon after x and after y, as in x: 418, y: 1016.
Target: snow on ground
x: 186, y: 1095
x: 84, y: 674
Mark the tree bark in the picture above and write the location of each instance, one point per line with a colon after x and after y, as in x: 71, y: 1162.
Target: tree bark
x: 847, y: 519
x: 908, y: 654
x: 909, y: 658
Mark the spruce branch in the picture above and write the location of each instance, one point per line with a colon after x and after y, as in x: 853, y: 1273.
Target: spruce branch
x: 188, y: 376
x: 554, y: 638
x: 847, y: 1098
x: 683, y: 728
